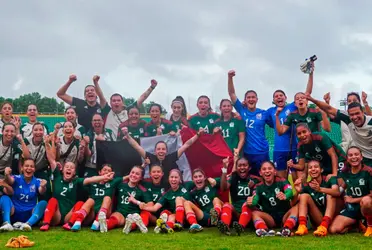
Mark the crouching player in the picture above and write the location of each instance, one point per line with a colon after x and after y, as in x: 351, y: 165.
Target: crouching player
x: 317, y: 198
x: 356, y: 180
x: 273, y: 195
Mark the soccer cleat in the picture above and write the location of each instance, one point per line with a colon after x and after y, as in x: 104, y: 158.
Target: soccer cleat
x: 164, y: 228
x: 44, y: 227
x: 302, y: 230
x: 321, y: 231
x: 157, y: 229
x: 13, y: 243
x: 368, y: 232
x: 76, y: 227
x: 164, y: 217
x: 6, y: 227
x: 139, y: 222
x: 224, y: 229
x: 261, y: 232
x: 178, y: 227
x: 17, y: 225
x: 237, y: 227
x: 128, y: 224
x: 26, y: 227
x: 361, y: 226
x: 25, y: 242
x: 214, y: 217
x: 270, y: 233
x: 194, y: 228
x: 67, y: 226
x: 94, y: 228
x: 286, y: 232
x: 102, y: 222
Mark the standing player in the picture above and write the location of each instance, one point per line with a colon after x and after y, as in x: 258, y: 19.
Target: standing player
x: 232, y: 129
x: 134, y: 124
x: 179, y: 113
x: 273, y: 195
x: 27, y: 211
x: 68, y: 147
x: 356, y: 179
x: 317, y: 199
x: 7, y: 116
x: 256, y: 147
x: 70, y: 115
x: 205, y: 118
x: 26, y: 128
x: 158, y: 125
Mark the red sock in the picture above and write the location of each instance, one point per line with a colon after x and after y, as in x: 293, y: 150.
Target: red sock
x: 170, y: 224
x: 290, y: 222
x: 145, y: 215
x: 245, y: 216
x: 260, y: 224
x: 180, y: 214
x: 191, y: 218
x: 369, y: 220
x: 101, y: 210
x: 112, y: 222
x: 326, y: 221
x: 226, y: 214
x: 75, y: 209
x: 50, y: 210
x: 218, y: 209
x: 302, y: 220
x: 80, y: 215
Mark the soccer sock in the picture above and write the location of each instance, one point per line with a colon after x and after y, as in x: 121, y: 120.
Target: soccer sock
x: 180, y: 214
x: 260, y: 224
x: 112, y: 222
x: 245, y: 216
x: 38, y: 212
x: 191, y: 218
x: 6, y: 207
x: 326, y: 221
x: 75, y: 209
x: 218, y: 208
x: 145, y: 215
x: 101, y: 210
x: 226, y: 214
x: 80, y: 215
x: 50, y: 210
x: 170, y: 224
x: 290, y: 222
x: 302, y: 220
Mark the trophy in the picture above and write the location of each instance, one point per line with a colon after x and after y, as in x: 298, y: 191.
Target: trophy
x: 308, y: 66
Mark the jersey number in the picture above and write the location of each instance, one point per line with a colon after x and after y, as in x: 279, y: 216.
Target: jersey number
x: 225, y: 133
x: 155, y: 197
x: 99, y: 192
x: 356, y: 191
x: 272, y: 201
x: 204, y: 200
x: 124, y: 199
x: 249, y: 123
x: 63, y: 193
x: 24, y: 197
x: 206, y: 129
x: 244, y: 191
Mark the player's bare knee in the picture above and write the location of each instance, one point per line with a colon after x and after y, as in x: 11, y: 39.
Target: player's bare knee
x: 366, y: 202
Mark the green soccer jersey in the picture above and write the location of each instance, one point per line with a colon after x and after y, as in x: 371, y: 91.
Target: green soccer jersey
x: 165, y: 125
x: 177, y: 124
x: 65, y: 192
x: 319, y: 198
x: 312, y: 118
x: 357, y: 185
x: 124, y: 206
x: 266, y: 196
x: 156, y: 191
x: 168, y: 200
x: 97, y: 191
x: 206, y: 122
x: 230, y: 130
x: 204, y: 197
x: 317, y: 150
x: 135, y: 131
x: 241, y: 189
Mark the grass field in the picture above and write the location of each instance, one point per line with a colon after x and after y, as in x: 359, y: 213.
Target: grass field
x: 208, y: 239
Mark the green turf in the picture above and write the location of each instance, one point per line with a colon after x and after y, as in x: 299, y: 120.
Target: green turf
x: 208, y: 239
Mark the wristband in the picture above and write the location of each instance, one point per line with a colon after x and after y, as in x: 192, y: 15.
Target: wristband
x: 224, y: 170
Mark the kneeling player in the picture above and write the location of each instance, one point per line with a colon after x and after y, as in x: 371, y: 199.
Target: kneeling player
x: 317, y: 199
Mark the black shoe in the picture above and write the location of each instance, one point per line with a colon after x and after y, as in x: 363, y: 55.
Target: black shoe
x: 238, y: 228
x: 224, y: 229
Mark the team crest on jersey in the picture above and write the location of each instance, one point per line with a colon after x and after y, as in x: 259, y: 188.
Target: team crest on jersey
x: 107, y: 185
x: 183, y: 190
x: 99, y: 111
x: 231, y: 124
x: 198, y: 123
x: 277, y: 190
x: 207, y: 189
x: 308, y: 119
x: 317, y: 149
x: 263, y: 193
x: 71, y: 185
x: 133, y: 193
x: 162, y: 126
x: 162, y: 190
x: 210, y: 120
x: 141, y: 130
x: 287, y: 112
x: 361, y: 182
x: 32, y: 188
x: 259, y: 116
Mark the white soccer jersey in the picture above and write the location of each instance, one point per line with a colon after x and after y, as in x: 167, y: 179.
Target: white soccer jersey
x: 79, y: 131
x: 26, y: 130
x: 113, y: 121
x: 37, y: 153
x: 63, y: 148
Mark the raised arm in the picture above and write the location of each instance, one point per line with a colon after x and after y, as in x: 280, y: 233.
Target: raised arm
x: 309, y: 86
x: 224, y: 185
x: 323, y: 106
x: 8, y: 177
x: 25, y: 151
x: 280, y: 128
x: 367, y: 108
x: 51, y: 156
x: 230, y: 86
x: 61, y: 93
x: 332, y: 153
x: 189, y: 142
x: 95, y: 179
x: 241, y: 142
x: 147, y: 93
x: 133, y: 143
x: 102, y: 99
x: 325, y: 123
x: 42, y: 187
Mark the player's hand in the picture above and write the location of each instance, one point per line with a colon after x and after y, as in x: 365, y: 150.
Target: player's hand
x: 314, y: 185
x: 86, y: 139
x: 251, y: 184
x: 108, y: 177
x: 236, y: 152
x: 348, y: 199
x: 59, y: 166
x: 281, y: 196
x: 216, y: 130
x: 278, y: 110
x: 100, y: 137
x: 172, y: 133
x: 8, y: 171
x: 231, y: 73
x: 290, y: 163
x: 159, y: 131
x: 250, y: 200
x: 309, y: 97
x: 16, y: 121
x: 364, y: 97
x: 298, y: 185
x: 183, y: 126
x: 327, y: 97
x: 142, y: 206
x: 330, y: 176
x: 212, y: 181
x: 201, y: 132
x: 72, y: 78
x: 2, y: 183
x: 19, y: 138
x: 43, y: 183
x: 225, y: 162
x: 154, y: 83
x: 96, y: 79
x: 57, y: 126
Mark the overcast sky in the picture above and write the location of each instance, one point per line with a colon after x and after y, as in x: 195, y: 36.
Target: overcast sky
x: 188, y: 46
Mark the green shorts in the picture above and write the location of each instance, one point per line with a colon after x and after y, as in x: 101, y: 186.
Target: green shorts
x: 278, y: 218
x: 205, y: 221
x: 351, y: 211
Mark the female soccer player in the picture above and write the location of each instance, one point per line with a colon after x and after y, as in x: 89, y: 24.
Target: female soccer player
x: 68, y: 147
x: 356, y: 179
x: 26, y: 128
x: 241, y: 185
x: 6, y: 205
x: 7, y: 116
x: 273, y: 195
x: 27, y: 211
x: 66, y: 186
x: 11, y: 148
x: 256, y: 147
x: 318, y: 146
x: 161, y: 156
x: 205, y: 118
x: 134, y: 124
x: 354, y: 97
x: 204, y: 207
x: 71, y: 116
x: 158, y: 125
x: 232, y: 129
x: 179, y: 113
x: 317, y: 198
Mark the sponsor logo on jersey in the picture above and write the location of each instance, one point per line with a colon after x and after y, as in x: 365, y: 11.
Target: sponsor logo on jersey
x: 361, y: 182
x: 133, y: 193
x: 231, y: 124
x: 259, y: 116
